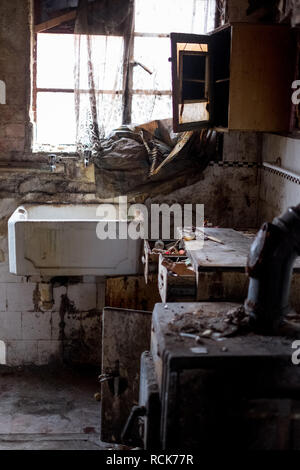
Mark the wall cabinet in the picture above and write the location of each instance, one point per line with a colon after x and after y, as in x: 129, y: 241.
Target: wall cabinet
x: 238, y: 78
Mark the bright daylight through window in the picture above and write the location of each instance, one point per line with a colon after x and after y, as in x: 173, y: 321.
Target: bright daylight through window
x: 150, y: 88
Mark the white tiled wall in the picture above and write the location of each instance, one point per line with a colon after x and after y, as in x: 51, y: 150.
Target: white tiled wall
x: 35, y: 336
x: 277, y: 191
x: 32, y: 336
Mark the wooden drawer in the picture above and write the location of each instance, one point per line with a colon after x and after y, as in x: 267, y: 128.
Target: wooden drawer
x: 180, y: 287
x: 150, y: 259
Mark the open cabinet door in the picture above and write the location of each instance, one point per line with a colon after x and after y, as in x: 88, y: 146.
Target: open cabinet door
x: 191, y: 81
x: 125, y: 336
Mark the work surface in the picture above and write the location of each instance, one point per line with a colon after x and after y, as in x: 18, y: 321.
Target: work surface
x: 230, y: 251
x: 168, y: 326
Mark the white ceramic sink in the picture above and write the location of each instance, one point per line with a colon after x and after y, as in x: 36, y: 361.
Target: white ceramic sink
x: 61, y: 240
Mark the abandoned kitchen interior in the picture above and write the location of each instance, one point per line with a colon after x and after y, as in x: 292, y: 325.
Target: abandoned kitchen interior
x: 149, y: 225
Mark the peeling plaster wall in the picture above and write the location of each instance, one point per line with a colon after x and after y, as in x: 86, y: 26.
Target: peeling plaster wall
x: 15, y: 33
x: 36, y: 330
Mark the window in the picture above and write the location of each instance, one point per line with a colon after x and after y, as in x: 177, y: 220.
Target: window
x: 149, y: 89
x: 55, y: 117
x: 55, y: 114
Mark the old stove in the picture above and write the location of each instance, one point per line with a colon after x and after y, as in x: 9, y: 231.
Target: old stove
x: 222, y: 392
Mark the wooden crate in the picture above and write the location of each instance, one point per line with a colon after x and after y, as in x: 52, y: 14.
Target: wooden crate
x: 150, y: 259
x: 180, y: 288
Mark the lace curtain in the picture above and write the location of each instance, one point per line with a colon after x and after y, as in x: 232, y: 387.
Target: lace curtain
x: 98, y: 88
x: 100, y: 62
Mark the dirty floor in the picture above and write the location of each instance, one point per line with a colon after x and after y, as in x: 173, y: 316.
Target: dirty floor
x: 46, y: 408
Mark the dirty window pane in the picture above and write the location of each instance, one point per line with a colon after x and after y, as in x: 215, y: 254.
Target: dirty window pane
x: 154, y: 54
x: 55, y: 69
x: 55, y: 60
x: 182, y: 16
x: 109, y: 109
x: 145, y: 107
x: 55, y: 118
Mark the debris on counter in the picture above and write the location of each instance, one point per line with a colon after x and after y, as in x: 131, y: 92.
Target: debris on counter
x: 203, y: 324
x: 192, y: 233
x: 207, y: 333
x: 199, y: 350
x: 188, y: 234
x: 237, y: 316
x: 174, y: 248
x: 180, y: 268
x: 159, y: 245
x: 189, y: 335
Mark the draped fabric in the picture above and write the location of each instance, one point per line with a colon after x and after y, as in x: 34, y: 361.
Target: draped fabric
x: 99, y: 70
x: 104, y: 36
x: 98, y: 88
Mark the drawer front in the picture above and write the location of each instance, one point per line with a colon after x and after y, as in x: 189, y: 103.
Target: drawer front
x: 150, y: 259
x: 176, y: 288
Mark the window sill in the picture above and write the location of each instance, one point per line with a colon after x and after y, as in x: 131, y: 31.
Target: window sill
x: 57, y: 149
x: 22, y: 167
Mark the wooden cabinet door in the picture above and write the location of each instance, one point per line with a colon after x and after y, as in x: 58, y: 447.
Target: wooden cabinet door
x: 238, y: 77
x: 191, y: 81
x: 125, y: 336
x: 261, y: 75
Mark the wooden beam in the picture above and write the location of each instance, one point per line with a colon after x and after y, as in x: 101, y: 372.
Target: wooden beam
x: 71, y: 15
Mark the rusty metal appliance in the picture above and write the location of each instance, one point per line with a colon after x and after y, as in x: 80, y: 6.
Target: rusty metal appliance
x: 270, y: 265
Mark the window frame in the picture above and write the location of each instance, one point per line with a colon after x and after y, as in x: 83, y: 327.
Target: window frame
x: 127, y: 92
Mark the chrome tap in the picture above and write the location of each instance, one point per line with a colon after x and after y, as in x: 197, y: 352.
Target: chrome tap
x: 52, y: 161
x: 86, y: 157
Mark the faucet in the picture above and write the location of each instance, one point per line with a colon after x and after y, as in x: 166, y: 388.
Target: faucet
x: 270, y: 267
x: 86, y: 157
x: 52, y: 161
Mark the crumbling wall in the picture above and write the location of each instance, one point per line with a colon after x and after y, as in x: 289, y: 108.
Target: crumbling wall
x: 15, y: 131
